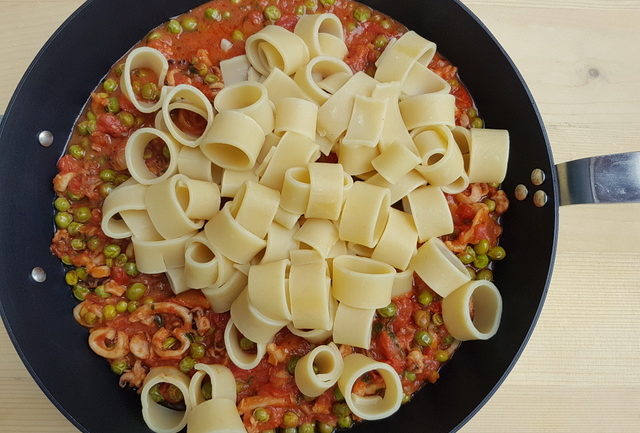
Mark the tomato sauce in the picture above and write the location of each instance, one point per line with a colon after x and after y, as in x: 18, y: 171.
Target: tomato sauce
x: 102, y: 269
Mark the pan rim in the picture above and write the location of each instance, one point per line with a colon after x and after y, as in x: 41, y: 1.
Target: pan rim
x: 553, y: 200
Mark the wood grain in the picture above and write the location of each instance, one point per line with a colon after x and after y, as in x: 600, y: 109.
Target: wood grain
x: 581, y: 370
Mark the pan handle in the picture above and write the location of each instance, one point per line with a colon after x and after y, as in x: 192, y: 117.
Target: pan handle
x: 600, y: 179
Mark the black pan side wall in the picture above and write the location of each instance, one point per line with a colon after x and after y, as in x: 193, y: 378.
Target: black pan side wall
x: 52, y: 93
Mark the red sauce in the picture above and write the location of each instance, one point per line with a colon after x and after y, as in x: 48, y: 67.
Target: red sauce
x: 101, y: 136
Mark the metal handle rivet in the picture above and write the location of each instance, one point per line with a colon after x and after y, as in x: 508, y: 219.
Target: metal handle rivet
x: 537, y: 177
x: 38, y: 274
x: 521, y: 192
x: 45, y: 138
x: 540, y: 198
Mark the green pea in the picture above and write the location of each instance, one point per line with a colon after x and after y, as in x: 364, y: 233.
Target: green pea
x: 83, y: 128
x: 497, y: 253
x: 127, y: 119
x: 481, y: 261
x: 131, y: 269
x: 325, y: 428
x: 491, y: 205
x: 288, y: 430
x: 246, y: 344
x: 301, y: 10
x: 340, y: 409
x: 153, y: 36
x: 212, y: 14
x: 482, y: 247
x: 291, y: 365
x: 465, y: 258
x: 261, y: 415
x: 477, y: 122
x: 82, y: 214
x: 91, y: 116
x: 71, y: 278
x: 149, y: 91
x: 111, y: 251
x: 155, y: 393
x: 66, y: 259
x: 290, y: 419
x: 485, y: 274
x: 237, y: 35
x: 109, y: 312
x: 385, y: 24
x: 472, y: 112
x: 345, y: 422
x: 190, y: 24
x: 110, y: 85
x: 135, y: 291
x: 119, y: 69
x: 113, y: 105
x: 101, y: 292
x: 196, y: 351
x: 132, y: 306
x: 351, y: 27
x: 470, y: 250
x: 74, y: 228
x: 62, y: 204
x: 63, y: 219
x: 494, y: 184
x: 425, y: 297
x: 169, y: 343
x: 236, y: 2
x: 174, y: 27
x: 207, y: 390
x: 410, y: 376
x: 471, y: 272
x: 272, y: 13
x: 442, y: 356
x: 80, y: 292
x: 211, y: 78
x: 381, y: 41
x: 337, y: 394
x: 121, y: 259
x: 327, y: 2
x: 437, y: 319
x: 311, y: 4
x: 107, y: 175
x: 187, y: 364
x: 77, y: 244
x: 121, y: 306
x: 406, y: 398
x: 148, y: 154
x: 82, y: 273
x: 307, y: 428
x: 119, y: 366
x: 105, y: 189
x: 422, y: 338
x: 389, y: 311
x: 77, y: 152
x: 362, y: 14
x: 226, y: 15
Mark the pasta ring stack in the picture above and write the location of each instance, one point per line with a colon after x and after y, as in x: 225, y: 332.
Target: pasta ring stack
x: 299, y: 243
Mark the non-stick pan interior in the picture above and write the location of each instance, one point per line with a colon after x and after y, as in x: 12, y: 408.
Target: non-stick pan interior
x: 38, y: 315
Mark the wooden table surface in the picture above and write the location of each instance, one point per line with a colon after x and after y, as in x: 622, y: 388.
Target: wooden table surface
x: 581, y: 370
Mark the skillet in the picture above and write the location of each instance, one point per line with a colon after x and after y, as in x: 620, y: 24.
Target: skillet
x: 37, y: 314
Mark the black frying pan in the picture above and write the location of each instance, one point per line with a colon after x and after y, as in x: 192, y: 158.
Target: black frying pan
x: 54, y: 89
